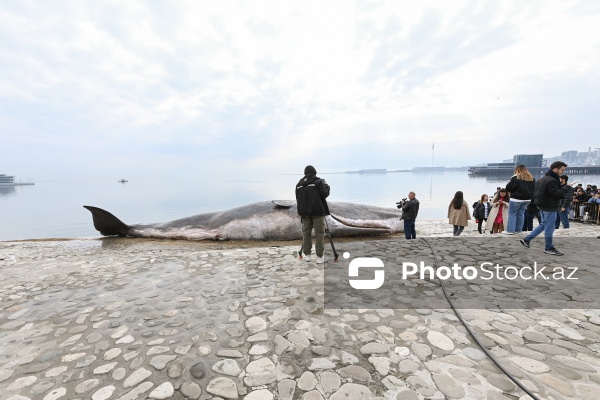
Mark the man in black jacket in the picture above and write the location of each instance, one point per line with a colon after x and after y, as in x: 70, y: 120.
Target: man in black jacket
x: 311, y: 192
x: 409, y: 214
x: 547, y: 197
x: 565, y: 203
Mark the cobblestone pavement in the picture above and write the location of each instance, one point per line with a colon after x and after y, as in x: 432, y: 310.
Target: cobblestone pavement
x: 120, y: 318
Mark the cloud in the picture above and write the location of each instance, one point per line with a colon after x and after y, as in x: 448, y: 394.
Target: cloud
x: 190, y: 85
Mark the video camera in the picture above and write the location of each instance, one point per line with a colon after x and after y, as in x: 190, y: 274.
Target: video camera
x: 401, y: 203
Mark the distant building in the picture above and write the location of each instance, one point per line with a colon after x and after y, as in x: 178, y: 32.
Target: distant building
x: 574, y: 158
x: 368, y: 171
x: 507, y: 167
x: 7, y: 180
x: 529, y: 160
x: 578, y: 163
x: 501, y: 165
x: 426, y: 169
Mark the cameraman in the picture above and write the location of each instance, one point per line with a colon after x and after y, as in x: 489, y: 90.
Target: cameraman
x: 410, y: 209
x: 311, y: 192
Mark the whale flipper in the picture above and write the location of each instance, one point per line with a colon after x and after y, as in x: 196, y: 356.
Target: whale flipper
x: 106, y: 223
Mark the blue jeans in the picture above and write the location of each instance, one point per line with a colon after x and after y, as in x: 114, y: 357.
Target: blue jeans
x: 563, y: 216
x: 516, y: 215
x: 409, y: 229
x: 547, y: 226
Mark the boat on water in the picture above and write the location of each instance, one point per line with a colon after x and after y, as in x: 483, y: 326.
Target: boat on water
x: 7, y: 180
x: 123, y: 180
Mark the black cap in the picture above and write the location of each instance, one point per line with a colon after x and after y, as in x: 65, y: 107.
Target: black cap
x: 310, y: 170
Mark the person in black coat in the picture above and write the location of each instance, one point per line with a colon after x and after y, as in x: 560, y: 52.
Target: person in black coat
x: 481, y: 210
x: 311, y: 195
x: 410, y: 209
x: 547, y: 197
x: 580, y: 197
x: 521, y: 188
x: 565, y: 204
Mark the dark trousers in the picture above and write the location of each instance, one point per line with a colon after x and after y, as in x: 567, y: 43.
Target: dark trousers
x: 528, y: 222
x: 458, y: 230
x: 479, y: 223
x: 409, y: 229
x: 308, y: 223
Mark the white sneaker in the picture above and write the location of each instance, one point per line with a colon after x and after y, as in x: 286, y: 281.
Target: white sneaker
x: 508, y: 233
x: 307, y: 257
x: 320, y: 260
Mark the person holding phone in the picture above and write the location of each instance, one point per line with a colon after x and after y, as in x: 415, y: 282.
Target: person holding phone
x: 499, y: 214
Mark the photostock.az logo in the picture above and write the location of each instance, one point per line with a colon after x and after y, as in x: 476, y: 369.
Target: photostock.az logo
x: 366, y: 262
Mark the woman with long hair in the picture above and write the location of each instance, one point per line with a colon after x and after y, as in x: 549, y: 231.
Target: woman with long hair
x: 481, y: 210
x: 458, y: 213
x: 499, y: 214
x: 520, y: 187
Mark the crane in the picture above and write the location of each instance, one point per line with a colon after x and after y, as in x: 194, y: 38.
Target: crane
x: 590, y: 161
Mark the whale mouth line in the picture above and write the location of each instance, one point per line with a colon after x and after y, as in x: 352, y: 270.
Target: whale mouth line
x: 184, y: 232
x: 364, y: 223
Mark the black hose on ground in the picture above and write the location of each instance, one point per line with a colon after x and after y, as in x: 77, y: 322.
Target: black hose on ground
x: 485, y: 350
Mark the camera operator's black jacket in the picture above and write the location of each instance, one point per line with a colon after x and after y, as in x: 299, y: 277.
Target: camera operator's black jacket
x: 548, y: 193
x: 410, y: 209
x: 311, y: 192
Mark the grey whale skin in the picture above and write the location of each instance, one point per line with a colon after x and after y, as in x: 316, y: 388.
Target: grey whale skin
x: 258, y: 221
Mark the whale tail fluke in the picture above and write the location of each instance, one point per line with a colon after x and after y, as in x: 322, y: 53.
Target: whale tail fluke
x: 106, y: 223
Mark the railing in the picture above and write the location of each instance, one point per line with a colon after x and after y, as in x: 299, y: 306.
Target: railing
x: 585, y: 212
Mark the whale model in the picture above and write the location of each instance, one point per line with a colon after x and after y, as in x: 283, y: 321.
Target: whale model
x: 267, y: 220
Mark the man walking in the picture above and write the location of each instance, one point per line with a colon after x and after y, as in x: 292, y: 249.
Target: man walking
x: 547, y: 197
x: 311, y: 192
x: 410, y: 209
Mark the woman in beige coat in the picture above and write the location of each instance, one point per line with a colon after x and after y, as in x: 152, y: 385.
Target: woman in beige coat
x: 497, y: 220
x: 458, y: 213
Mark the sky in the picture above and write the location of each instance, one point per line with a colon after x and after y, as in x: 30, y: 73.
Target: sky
x: 167, y: 88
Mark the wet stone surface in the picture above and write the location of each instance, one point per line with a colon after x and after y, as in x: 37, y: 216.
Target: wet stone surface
x: 136, y: 319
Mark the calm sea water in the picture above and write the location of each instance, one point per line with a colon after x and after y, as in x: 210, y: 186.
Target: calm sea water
x: 53, y: 208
